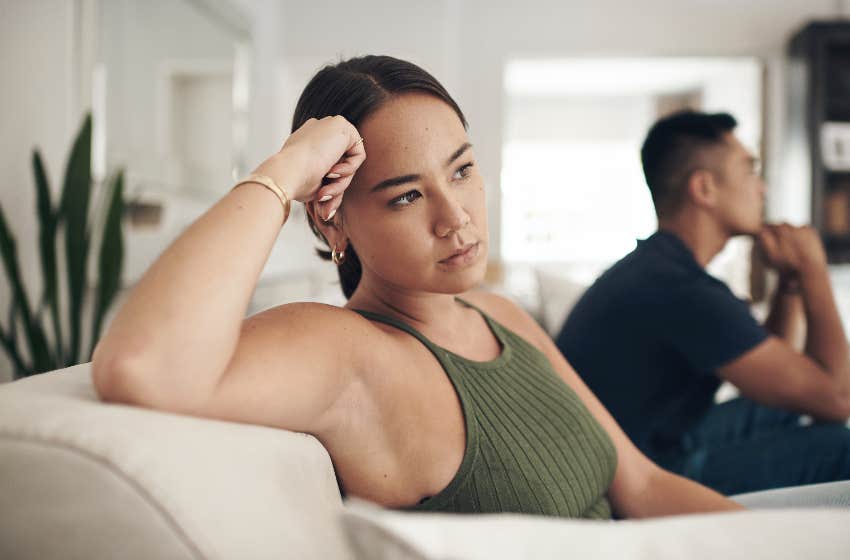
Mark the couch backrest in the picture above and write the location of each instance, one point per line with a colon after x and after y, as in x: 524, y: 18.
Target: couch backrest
x: 84, y: 479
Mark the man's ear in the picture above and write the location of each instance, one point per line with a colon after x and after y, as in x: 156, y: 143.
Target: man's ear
x: 333, y: 230
x: 702, y: 188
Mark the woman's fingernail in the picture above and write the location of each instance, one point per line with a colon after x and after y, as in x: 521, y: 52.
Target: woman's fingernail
x: 325, y: 198
x: 331, y: 215
x: 333, y: 175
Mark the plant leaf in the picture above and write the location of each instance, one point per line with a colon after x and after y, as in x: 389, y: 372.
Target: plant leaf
x: 74, y: 208
x: 11, y: 347
x: 12, y: 320
x: 10, y: 339
x: 111, y: 258
x: 39, y: 355
x: 47, y: 219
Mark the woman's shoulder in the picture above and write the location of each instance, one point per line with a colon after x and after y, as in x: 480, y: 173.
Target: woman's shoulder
x: 308, y: 309
x: 349, y: 335
x: 330, y: 322
x: 507, y: 313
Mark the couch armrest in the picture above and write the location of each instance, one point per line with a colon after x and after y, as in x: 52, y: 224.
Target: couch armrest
x: 83, y: 479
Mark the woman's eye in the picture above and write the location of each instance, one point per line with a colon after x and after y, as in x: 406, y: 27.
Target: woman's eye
x: 406, y: 199
x: 463, y: 172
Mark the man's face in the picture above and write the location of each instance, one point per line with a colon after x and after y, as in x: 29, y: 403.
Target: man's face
x: 741, y: 190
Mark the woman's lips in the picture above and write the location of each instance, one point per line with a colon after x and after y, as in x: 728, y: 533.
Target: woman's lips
x: 466, y: 256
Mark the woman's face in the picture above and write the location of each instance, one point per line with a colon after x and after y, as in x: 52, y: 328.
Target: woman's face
x: 417, y: 200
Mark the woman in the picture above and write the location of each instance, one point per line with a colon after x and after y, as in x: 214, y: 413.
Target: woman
x: 424, y: 400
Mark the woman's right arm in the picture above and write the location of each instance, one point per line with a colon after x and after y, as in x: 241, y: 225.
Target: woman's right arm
x: 181, y: 328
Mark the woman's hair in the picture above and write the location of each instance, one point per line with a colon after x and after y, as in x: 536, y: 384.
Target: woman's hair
x: 356, y: 88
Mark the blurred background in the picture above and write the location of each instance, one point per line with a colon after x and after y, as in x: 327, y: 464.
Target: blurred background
x: 185, y: 96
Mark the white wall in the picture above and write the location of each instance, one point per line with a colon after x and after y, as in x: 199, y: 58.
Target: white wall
x: 38, y: 108
x: 292, y: 39
x: 465, y: 43
x: 646, y: 28
x: 143, y: 46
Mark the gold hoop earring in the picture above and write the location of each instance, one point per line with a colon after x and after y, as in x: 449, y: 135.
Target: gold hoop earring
x: 338, y: 257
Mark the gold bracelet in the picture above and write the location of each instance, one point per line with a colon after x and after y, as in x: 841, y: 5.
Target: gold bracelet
x: 269, y: 183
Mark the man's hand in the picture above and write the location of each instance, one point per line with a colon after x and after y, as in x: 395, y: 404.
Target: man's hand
x: 817, y: 381
x: 791, y: 250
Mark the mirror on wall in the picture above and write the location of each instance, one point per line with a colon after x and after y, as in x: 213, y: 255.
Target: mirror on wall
x: 171, y: 105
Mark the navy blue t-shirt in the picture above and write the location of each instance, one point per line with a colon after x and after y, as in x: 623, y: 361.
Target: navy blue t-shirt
x: 648, y: 336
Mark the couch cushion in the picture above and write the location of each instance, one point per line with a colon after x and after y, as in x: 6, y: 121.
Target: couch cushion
x: 378, y: 534
x: 827, y: 494
x: 93, y: 480
x: 560, y: 289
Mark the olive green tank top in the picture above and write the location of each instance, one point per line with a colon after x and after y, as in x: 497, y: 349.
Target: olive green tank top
x: 531, y: 445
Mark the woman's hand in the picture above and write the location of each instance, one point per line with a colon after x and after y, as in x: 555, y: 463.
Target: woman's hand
x: 317, y: 162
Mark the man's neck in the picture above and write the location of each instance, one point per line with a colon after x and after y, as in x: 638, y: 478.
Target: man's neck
x: 703, y: 237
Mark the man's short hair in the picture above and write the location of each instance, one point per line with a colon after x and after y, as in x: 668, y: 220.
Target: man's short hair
x: 671, y: 153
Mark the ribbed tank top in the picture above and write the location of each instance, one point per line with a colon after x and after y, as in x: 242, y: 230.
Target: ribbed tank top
x: 531, y: 444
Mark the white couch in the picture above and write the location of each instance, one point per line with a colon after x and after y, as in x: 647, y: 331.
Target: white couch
x: 88, y: 480
x: 83, y: 479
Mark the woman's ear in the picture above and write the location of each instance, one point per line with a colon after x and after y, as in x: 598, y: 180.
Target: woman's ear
x: 333, y: 230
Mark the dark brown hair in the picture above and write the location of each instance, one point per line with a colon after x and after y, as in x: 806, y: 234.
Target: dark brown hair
x: 671, y: 149
x: 355, y: 88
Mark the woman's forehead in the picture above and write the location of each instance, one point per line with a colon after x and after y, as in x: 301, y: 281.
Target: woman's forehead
x: 409, y: 134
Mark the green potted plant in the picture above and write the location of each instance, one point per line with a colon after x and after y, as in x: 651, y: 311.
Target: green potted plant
x: 35, y: 338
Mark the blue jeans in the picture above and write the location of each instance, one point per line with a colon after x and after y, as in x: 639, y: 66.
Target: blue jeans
x: 741, y: 446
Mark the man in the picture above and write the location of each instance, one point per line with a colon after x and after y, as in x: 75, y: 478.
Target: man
x: 656, y: 334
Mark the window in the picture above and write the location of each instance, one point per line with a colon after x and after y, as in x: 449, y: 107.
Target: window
x: 572, y: 186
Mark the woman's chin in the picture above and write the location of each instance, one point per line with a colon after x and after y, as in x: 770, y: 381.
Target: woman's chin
x: 460, y: 282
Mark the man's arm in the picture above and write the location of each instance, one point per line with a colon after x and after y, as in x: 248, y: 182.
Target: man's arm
x: 776, y: 375
x: 826, y: 342
x: 818, y: 381
x: 787, y: 317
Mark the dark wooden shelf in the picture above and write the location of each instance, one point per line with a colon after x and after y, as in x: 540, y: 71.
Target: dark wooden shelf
x: 837, y: 249
x: 837, y: 239
x: 822, y: 49
x: 836, y: 180
x: 837, y: 113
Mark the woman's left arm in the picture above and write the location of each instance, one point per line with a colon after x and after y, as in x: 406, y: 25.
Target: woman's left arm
x: 640, y: 487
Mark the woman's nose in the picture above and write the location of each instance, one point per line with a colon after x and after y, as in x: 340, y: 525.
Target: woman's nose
x: 451, y: 218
